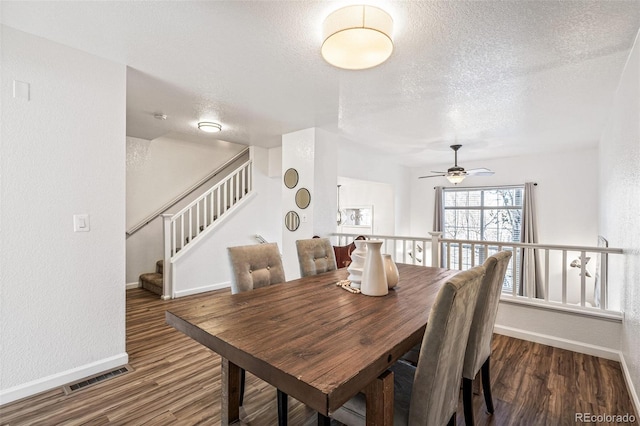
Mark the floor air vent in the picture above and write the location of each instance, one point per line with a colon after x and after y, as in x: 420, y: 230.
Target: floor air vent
x: 101, y: 377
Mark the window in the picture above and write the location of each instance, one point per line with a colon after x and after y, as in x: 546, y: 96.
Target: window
x: 481, y: 214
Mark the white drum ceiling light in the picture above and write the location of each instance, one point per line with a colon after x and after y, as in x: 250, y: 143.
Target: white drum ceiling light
x: 357, y: 37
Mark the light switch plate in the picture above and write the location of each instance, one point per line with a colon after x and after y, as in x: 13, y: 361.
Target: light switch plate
x: 81, y: 223
x: 21, y: 90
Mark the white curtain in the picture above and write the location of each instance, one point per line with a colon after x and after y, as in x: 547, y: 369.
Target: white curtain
x: 530, y: 276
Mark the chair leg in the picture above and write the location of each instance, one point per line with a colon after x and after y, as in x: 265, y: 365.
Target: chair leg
x: 283, y: 411
x: 452, y: 420
x: 242, y: 377
x: 486, y: 386
x: 467, y: 400
x: 323, y: 420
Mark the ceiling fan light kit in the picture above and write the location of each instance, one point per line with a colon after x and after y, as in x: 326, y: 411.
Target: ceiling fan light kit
x: 456, y: 179
x: 357, y: 37
x: 457, y: 174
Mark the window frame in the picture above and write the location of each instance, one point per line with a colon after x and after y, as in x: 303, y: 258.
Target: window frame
x: 480, y: 253
x: 482, y: 207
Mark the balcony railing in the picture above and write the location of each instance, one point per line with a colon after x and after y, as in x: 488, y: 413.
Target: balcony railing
x: 573, y: 278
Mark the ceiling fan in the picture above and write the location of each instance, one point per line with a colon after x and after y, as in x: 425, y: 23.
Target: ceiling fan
x: 456, y: 174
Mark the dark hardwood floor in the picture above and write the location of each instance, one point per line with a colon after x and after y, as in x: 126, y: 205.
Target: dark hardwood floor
x: 177, y: 381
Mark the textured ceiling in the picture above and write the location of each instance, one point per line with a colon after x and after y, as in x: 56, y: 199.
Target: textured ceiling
x: 503, y: 78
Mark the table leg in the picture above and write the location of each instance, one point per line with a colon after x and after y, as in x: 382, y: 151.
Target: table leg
x: 379, y: 396
x: 230, y: 408
x: 323, y: 420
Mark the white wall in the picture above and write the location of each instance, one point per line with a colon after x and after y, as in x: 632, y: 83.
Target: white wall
x: 325, y: 177
x: 567, y: 211
x: 620, y: 209
x: 320, y: 157
x: 161, y: 169
x: 298, y: 152
x: 145, y: 247
x: 62, y: 299
x: 206, y: 266
x: 566, y: 195
x: 357, y: 161
x: 379, y: 196
x: 566, y: 206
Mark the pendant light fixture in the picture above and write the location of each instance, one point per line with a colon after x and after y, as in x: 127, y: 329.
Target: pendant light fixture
x: 357, y: 37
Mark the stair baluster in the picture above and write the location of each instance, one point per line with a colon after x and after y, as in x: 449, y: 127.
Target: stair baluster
x: 182, y: 228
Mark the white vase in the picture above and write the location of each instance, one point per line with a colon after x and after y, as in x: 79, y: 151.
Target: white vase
x: 357, y: 263
x: 391, y: 271
x: 374, y: 280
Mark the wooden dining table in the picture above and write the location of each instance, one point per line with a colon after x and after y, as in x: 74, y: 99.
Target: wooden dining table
x: 313, y: 340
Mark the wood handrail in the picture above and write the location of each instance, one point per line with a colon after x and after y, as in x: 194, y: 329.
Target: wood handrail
x: 184, y: 194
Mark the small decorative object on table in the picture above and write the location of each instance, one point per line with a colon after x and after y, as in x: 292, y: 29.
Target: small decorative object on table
x: 374, y: 280
x: 357, y: 263
x: 346, y: 285
x: 391, y: 271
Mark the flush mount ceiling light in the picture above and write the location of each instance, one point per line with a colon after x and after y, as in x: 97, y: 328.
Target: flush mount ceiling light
x: 209, y: 127
x: 357, y: 37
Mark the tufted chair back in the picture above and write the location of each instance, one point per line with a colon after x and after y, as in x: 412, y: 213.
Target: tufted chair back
x: 315, y: 256
x: 255, y: 266
x: 484, y: 317
x: 427, y: 395
x: 436, y: 386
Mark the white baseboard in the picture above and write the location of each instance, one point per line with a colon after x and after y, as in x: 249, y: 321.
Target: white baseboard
x: 633, y: 394
x: 190, y: 291
x: 59, y: 379
x: 136, y: 284
x: 559, y: 342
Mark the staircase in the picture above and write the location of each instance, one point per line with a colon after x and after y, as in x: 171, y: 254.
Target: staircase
x: 152, y: 281
x: 182, y: 229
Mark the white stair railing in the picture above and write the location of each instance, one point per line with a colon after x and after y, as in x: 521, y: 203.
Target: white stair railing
x: 186, y: 193
x: 566, y: 276
x: 180, y: 230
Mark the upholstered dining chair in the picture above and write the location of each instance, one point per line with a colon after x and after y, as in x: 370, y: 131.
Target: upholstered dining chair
x: 315, y: 256
x: 479, y: 344
x: 427, y: 394
x: 252, y: 267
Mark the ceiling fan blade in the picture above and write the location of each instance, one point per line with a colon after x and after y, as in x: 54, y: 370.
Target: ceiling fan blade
x: 422, y: 177
x: 480, y: 172
x: 438, y: 171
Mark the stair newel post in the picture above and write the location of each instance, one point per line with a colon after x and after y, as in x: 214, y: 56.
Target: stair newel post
x: 435, y: 249
x: 168, y: 251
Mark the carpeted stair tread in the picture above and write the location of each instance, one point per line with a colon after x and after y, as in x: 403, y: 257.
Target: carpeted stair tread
x: 152, y: 282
